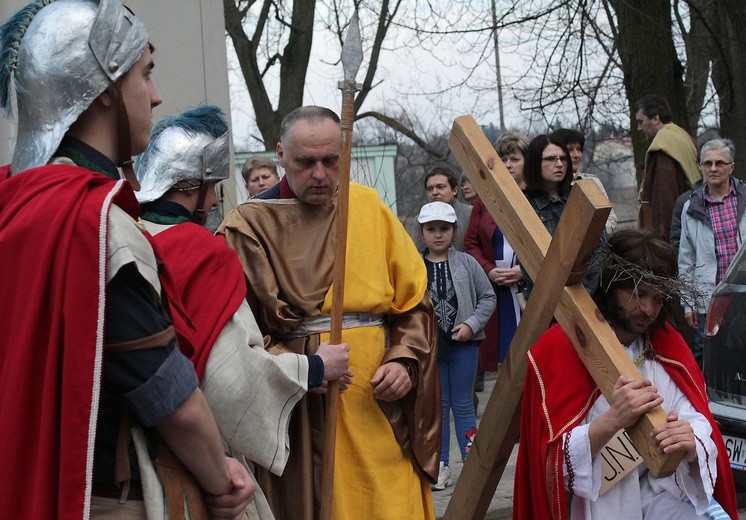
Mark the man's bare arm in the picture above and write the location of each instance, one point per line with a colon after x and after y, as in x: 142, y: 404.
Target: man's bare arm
x: 193, y: 436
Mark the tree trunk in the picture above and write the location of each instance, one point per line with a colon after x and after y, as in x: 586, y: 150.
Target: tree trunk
x: 293, y: 63
x: 295, y: 58
x: 649, y: 61
x: 699, y: 49
x: 729, y: 73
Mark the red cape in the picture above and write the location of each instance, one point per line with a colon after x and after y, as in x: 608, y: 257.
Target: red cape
x: 205, y: 276
x: 53, y: 224
x: 569, y: 392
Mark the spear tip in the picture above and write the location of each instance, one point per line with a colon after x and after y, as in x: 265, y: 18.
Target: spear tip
x: 352, y: 49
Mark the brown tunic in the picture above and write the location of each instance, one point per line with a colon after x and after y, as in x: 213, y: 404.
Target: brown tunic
x: 286, y: 248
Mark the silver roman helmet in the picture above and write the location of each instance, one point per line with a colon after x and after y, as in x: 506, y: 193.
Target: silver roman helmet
x: 62, y: 54
x: 185, y: 151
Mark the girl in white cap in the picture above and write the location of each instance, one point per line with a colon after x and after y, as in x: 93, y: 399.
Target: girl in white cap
x: 463, y: 300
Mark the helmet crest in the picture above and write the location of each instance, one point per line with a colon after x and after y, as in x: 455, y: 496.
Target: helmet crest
x: 60, y: 55
x: 11, y: 34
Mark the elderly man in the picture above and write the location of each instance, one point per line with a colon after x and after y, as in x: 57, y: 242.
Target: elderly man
x: 388, y: 430
x: 712, y: 230
x: 87, y: 351
x: 566, y: 423
x: 670, y: 163
x: 441, y: 185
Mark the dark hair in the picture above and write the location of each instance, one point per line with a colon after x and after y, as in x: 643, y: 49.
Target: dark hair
x: 532, y: 166
x: 253, y: 163
x: 634, y: 257
x: 447, y: 172
x: 309, y: 113
x: 454, y: 225
x: 652, y: 105
x: 568, y: 137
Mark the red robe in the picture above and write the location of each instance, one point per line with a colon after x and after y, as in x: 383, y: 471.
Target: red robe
x: 53, y: 228
x: 569, y: 393
x: 478, y: 243
x: 205, y: 276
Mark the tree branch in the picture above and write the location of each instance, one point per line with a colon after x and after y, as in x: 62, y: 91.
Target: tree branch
x: 405, y: 131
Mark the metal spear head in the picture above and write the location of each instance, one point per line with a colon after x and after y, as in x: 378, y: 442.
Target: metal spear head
x: 352, y: 50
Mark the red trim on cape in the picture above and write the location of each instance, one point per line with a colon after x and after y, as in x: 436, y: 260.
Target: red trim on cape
x: 205, y: 276
x: 568, y: 388
x: 53, y: 260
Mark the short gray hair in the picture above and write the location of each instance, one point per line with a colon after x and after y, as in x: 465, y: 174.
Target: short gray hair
x: 718, y: 144
x: 309, y: 113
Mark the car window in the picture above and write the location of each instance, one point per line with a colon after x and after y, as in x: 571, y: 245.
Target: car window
x: 736, y: 273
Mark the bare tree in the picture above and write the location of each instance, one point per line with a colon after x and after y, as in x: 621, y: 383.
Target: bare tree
x: 583, y: 62
x: 269, y: 35
x: 649, y: 60
x: 291, y: 49
x: 729, y: 70
x: 592, y: 59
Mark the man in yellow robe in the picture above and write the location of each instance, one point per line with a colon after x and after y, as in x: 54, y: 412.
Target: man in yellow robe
x: 388, y: 429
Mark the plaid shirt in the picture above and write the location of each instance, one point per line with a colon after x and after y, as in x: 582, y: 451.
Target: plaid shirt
x: 723, y: 217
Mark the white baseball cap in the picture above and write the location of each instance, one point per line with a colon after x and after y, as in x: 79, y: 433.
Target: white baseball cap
x: 433, y: 211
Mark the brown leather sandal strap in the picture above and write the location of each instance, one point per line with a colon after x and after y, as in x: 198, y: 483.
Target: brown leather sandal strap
x: 160, y: 339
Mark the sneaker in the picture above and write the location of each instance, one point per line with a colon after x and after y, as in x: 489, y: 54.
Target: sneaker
x: 470, y: 434
x: 444, y: 478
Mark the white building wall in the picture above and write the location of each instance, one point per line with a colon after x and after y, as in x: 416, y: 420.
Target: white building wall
x: 372, y: 166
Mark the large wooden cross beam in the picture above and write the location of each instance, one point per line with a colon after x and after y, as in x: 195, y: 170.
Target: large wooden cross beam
x: 556, y: 265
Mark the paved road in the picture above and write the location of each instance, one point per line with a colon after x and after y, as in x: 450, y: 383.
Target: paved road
x: 502, y: 503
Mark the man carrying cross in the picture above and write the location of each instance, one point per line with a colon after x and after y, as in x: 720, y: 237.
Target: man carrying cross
x: 388, y: 427
x: 565, y: 426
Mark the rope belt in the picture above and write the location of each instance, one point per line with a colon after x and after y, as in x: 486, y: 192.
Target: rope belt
x: 319, y: 324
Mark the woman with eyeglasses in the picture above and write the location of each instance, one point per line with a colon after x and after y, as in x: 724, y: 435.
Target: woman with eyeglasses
x: 548, y: 176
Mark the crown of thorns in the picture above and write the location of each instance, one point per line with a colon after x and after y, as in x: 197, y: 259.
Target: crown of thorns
x: 617, y: 270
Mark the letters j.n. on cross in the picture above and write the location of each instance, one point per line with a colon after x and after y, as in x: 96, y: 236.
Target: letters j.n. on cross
x: 556, y: 264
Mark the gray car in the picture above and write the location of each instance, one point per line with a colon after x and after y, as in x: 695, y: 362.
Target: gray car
x: 724, y: 363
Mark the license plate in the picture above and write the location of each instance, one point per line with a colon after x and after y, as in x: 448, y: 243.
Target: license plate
x: 736, y: 448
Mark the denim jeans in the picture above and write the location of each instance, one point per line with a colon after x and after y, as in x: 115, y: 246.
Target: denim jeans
x: 457, y: 367
x: 698, y: 339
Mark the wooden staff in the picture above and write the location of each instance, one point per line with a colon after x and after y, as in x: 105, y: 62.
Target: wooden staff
x: 352, y: 57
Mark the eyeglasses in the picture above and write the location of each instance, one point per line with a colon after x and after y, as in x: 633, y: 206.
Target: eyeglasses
x: 554, y: 158
x: 717, y: 164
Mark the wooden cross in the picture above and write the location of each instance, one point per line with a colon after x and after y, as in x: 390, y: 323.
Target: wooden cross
x: 557, y: 265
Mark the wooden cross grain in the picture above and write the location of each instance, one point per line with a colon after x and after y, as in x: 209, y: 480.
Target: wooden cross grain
x: 557, y: 266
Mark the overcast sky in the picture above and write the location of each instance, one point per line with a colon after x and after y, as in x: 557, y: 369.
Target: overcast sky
x: 408, y: 77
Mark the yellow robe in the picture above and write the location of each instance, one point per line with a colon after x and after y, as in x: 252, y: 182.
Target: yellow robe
x: 386, y: 453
